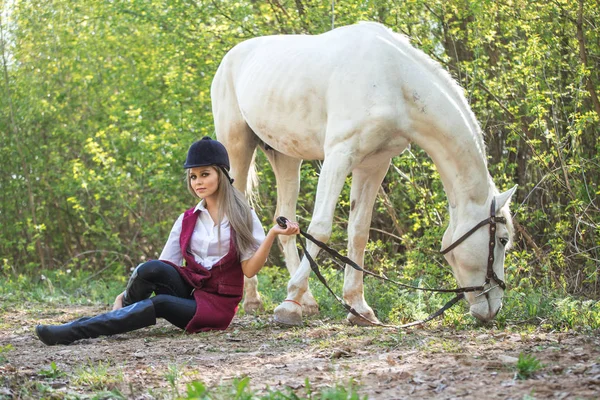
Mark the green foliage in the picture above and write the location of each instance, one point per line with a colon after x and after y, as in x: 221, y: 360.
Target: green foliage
x: 550, y: 310
x: 4, y: 349
x: 52, y: 372
x: 65, y: 287
x: 97, y: 376
x: 342, y: 393
x: 522, y: 304
x: 172, y: 376
x: 527, y: 366
x: 196, y: 391
x: 240, y: 390
x: 274, y: 281
x: 114, y: 394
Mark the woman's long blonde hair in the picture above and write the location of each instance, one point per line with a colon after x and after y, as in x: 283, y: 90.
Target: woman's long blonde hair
x: 233, y: 204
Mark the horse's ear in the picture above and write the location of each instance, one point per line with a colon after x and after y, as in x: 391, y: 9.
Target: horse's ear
x: 504, y: 198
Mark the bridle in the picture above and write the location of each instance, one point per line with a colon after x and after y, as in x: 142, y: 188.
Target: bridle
x: 492, y: 220
x: 491, y: 274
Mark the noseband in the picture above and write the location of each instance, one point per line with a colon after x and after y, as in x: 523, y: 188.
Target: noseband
x: 491, y: 274
x: 460, y: 292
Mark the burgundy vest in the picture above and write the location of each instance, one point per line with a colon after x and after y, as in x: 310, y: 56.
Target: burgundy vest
x: 217, y: 291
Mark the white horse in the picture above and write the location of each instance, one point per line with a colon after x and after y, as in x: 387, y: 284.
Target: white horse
x: 355, y: 97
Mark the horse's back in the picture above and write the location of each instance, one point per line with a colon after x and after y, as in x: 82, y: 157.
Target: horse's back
x: 292, y: 89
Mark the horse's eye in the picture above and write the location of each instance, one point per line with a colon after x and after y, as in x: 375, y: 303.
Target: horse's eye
x: 503, y: 241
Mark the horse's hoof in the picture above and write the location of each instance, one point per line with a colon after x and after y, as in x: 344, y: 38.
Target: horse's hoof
x: 288, y: 313
x: 369, y: 319
x: 253, y: 307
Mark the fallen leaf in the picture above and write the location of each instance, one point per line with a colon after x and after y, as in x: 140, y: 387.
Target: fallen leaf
x: 340, y: 353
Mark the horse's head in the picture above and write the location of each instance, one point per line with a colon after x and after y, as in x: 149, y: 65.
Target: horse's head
x: 471, y: 250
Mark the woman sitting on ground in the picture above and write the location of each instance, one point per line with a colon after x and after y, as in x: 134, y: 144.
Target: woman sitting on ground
x: 198, y: 280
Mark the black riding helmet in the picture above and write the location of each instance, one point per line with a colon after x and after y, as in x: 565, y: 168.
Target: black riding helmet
x: 207, y: 152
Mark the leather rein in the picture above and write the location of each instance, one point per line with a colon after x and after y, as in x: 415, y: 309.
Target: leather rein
x: 460, y: 292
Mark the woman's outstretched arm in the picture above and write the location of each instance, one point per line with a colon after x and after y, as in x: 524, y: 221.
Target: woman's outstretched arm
x: 251, y: 266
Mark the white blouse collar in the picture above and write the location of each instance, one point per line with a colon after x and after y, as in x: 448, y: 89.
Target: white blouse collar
x: 200, y: 206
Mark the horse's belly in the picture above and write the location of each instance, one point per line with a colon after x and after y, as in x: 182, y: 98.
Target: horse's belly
x: 291, y: 138
x: 289, y: 115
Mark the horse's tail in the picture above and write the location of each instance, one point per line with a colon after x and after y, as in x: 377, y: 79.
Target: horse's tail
x: 251, y: 191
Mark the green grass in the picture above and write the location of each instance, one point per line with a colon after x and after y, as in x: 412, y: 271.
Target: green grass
x: 527, y: 366
x: 240, y: 390
x: 52, y: 372
x: 58, y: 286
x: 172, y: 376
x: 527, y: 305
x: 3, y: 350
x: 97, y: 376
x: 94, y: 382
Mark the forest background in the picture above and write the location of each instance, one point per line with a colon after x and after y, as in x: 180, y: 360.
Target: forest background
x: 100, y: 100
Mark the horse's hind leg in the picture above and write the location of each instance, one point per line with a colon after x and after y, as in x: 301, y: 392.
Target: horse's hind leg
x: 241, y: 157
x: 287, y: 175
x: 366, y: 180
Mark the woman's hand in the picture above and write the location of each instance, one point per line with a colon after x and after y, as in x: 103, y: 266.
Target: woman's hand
x: 292, y: 228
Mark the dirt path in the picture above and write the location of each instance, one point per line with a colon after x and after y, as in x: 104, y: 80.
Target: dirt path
x: 432, y: 363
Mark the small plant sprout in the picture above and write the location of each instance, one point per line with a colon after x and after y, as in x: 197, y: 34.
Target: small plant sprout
x: 527, y: 365
x: 5, y: 349
x: 172, y: 376
x: 196, y: 390
x: 52, y: 372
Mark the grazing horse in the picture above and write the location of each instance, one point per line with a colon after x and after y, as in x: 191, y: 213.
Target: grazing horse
x: 355, y: 97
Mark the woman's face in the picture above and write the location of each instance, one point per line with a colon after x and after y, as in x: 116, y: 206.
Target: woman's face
x: 204, y: 181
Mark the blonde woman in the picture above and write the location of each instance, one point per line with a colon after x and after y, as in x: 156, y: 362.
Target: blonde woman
x: 198, y: 280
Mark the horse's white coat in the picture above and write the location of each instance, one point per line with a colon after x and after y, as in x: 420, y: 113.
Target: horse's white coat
x: 355, y: 97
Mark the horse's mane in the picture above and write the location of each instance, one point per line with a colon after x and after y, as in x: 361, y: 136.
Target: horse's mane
x: 454, y: 89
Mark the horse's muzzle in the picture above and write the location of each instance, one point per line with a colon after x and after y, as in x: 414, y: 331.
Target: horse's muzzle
x: 485, y: 309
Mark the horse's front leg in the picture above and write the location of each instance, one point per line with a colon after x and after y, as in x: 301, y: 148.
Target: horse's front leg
x: 331, y: 181
x: 287, y: 176
x: 366, y: 180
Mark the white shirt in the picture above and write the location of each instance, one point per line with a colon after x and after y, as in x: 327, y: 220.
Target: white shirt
x: 205, y: 245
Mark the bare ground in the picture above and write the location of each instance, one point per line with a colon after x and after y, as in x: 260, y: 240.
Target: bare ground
x: 428, y: 362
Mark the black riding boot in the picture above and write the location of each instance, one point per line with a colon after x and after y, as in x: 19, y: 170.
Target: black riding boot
x: 135, y: 316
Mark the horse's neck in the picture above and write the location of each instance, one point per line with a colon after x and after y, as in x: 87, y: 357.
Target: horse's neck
x: 462, y: 167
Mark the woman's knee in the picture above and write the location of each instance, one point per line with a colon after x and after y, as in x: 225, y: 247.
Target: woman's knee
x: 152, y: 270
x: 174, y: 309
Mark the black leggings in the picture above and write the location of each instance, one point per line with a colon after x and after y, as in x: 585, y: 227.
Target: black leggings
x: 173, y: 298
